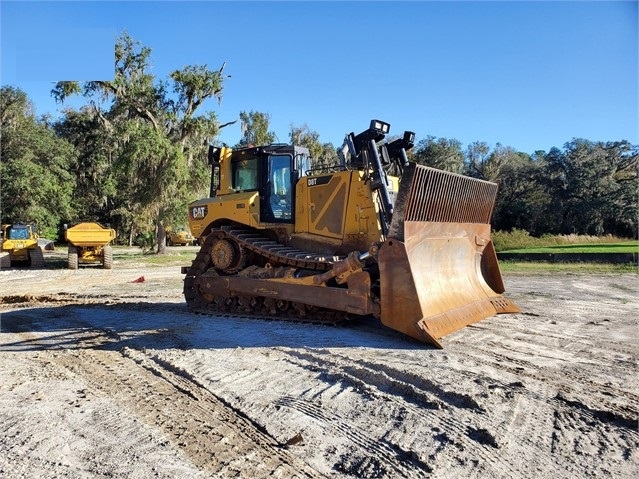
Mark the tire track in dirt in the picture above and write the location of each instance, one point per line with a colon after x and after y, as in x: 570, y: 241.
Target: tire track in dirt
x: 572, y: 437
x: 204, y: 429
x: 369, y: 456
x: 387, y: 457
x: 559, y: 401
x: 530, y: 424
x: 14, y: 462
x: 51, y: 425
x: 604, y: 344
x: 563, y: 380
x: 197, y: 423
x: 527, y: 425
x: 367, y: 375
x: 425, y: 402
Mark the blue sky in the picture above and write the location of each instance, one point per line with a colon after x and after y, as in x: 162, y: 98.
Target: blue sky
x: 531, y: 75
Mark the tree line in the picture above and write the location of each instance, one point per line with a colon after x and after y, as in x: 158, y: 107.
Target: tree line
x: 134, y: 156
x: 585, y: 187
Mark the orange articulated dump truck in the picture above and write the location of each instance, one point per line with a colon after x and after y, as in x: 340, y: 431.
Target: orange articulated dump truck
x: 281, y: 238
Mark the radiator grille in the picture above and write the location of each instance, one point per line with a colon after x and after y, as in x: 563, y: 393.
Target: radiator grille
x: 440, y: 196
x: 427, y: 194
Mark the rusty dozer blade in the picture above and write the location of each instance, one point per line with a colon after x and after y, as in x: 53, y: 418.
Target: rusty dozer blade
x: 438, y: 267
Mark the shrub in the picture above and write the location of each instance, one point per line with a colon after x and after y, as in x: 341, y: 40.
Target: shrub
x: 146, y: 241
x: 521, y: 239
x: 515, y: 239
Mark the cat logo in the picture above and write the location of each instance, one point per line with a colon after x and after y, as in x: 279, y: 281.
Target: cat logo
x: 199, y: 212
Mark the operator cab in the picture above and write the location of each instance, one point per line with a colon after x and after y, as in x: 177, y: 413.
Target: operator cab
x: 273, y: 171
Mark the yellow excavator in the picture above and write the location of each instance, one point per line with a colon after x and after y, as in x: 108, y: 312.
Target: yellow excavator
x: 281, y: 238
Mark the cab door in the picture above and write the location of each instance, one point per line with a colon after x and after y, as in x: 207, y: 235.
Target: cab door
x: 278, y: 206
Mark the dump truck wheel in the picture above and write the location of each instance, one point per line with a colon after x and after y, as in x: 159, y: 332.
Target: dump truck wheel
x: 72, y: 257
x: 36, y: 258
x: 5, y: 260
x: 107, y: 257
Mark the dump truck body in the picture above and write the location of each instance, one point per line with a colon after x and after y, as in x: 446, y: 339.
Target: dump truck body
x: 89, y: 243
x: 279, y: 238
x: 20, y: 246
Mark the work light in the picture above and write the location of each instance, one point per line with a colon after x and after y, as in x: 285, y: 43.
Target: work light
x: 380, y: 126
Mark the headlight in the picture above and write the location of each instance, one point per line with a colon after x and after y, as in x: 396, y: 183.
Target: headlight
x: 380, y: 126
x: 409, y: 137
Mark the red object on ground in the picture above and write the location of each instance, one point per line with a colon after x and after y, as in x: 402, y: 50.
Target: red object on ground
x: 139, y: 280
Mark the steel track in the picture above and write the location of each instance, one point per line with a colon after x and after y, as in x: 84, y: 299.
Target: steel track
x: 276, y: 253
x: 258, y: 307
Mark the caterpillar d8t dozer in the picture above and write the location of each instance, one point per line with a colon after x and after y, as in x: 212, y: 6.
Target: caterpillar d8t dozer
x: 280, y: 238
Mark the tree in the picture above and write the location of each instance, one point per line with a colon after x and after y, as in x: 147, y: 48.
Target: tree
x: 162, y: 138
x: 324, y: 155
x: 15, y: 108
x: 255, y: 129
x: 480, y: 163
x: 34, y: 167
x: 622, y: 215
x: 96, y: 181
x: 442, y: 153
x: 593, y: 187
x: 521, y: 198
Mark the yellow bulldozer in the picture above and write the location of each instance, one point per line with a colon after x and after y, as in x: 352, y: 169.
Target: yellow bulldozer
x: 281, y: 238
x: 89, y: 243
x: 20, y: 246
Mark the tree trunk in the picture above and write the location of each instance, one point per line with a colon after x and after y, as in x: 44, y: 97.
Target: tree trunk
x: 161, y: 237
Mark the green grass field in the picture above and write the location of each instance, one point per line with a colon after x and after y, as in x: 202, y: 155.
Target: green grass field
x: 622, y: 247
x: 542, y: 267
x: 519, y: 241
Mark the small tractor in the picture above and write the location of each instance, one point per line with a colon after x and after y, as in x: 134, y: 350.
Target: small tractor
x: 20, y: 246
x: 89, y: 243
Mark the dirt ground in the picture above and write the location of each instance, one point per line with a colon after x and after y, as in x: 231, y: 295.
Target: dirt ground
x: 106, y: 377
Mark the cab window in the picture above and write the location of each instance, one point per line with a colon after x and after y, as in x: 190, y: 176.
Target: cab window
x: 244, y: 174
x: 18, y: 234
x: 303, y: 164
x: 280, y: 186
